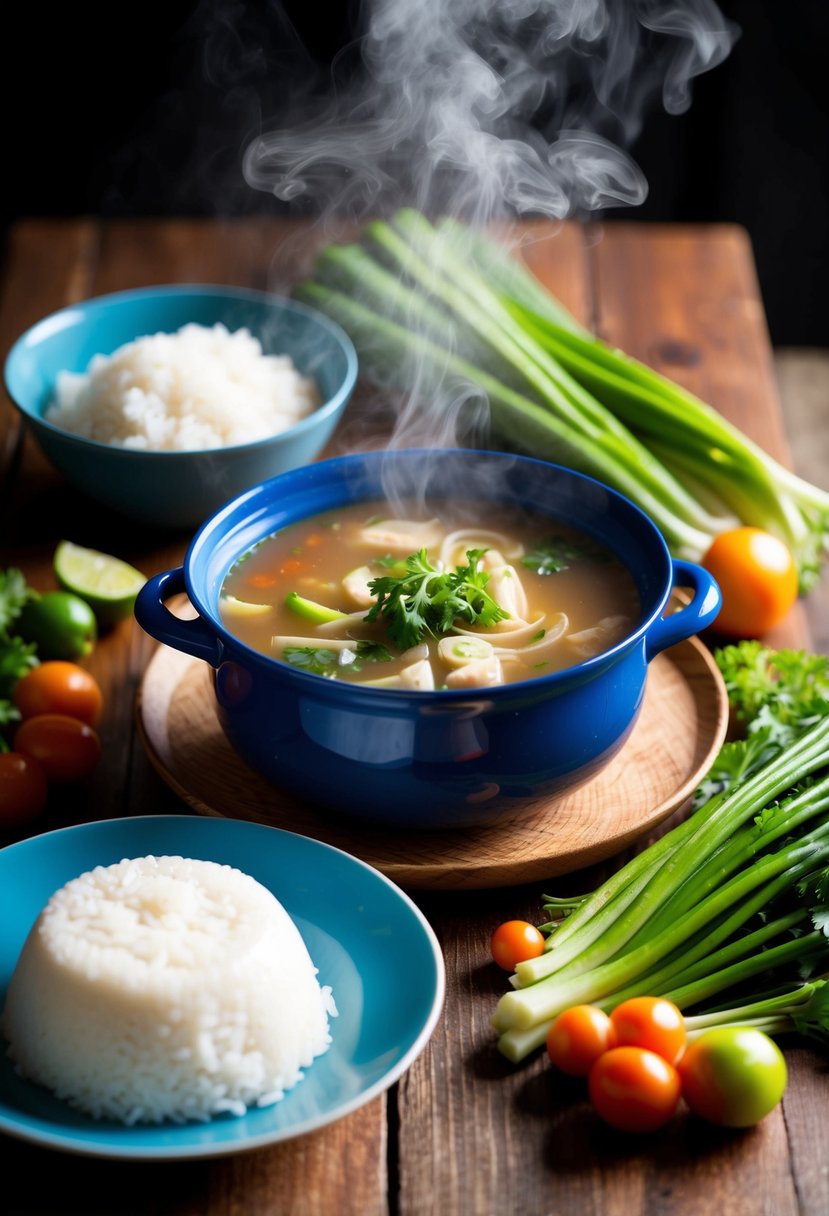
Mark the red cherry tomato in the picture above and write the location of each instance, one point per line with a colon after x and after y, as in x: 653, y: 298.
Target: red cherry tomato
x: 66, y: 748
x: 633, y: 1089
x: 58, y: 687
x: 23, y: 789
x: 578, y: 1037
x: 733, y: 1075
x: 652, y: 1022
x: 514, y: 942
x: 758, y: 579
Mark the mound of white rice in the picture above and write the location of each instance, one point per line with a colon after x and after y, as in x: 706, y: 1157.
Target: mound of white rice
x: 165, y: 988
x: 198, y: 388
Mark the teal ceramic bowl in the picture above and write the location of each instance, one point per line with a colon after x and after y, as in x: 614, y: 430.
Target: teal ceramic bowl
x: 178, y: 489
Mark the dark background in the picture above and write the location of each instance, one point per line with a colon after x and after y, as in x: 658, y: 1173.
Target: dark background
x: 134, y: 110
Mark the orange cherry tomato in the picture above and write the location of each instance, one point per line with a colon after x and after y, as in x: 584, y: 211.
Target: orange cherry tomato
x: 634, y: 1089
x: 515, y: 941
x: 66, y: 748
x: 758, y: 579
x: 23, y: 789
x: 652, y: 1022
x: 58, y: 687
x: 578, y: 1037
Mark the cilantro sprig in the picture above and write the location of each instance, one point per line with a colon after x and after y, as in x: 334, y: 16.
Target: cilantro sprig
x: 324, y: 660
x: 426, y: 600
x: 554, y: 554
x: 16, y: 656
x: 786, y: 689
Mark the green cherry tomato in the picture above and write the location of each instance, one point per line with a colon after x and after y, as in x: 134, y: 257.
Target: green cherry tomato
x: 732, y: 1075
x: 61, y: 625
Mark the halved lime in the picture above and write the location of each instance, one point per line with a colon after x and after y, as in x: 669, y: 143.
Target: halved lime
x: 107, y: 584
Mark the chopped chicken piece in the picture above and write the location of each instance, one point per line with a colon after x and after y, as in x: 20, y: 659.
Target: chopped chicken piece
x: 507, y: 590
x: 355, y: 585
x: 419, y: 676
x: 608, y: 631
x: 401, y: 536
x: 483, y: 673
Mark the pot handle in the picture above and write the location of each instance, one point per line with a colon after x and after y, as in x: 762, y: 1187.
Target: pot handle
x: 194, y: 637
x: 693, y: 617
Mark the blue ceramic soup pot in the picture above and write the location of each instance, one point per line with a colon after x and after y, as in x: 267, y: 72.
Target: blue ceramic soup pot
x: 427, y: 759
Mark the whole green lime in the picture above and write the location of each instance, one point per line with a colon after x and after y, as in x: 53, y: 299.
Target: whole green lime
x: 61, y: 625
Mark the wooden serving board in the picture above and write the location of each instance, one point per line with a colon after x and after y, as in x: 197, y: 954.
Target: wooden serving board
x: 681, y: 726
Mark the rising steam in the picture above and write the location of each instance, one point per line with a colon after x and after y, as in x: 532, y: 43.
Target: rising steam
x: 481, y: 109
x: 491, y: 108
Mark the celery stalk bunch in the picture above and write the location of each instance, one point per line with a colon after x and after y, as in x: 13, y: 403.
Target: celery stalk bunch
x: 439, y: 309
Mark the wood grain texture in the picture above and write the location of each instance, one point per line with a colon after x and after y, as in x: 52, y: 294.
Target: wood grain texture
x: 681, y: 728
x: 51, y: 264
x: 685, y: 300
x: 524, y: 1140
x: 48, y: 265
x: 803, y: 381
x: 466, y: 1133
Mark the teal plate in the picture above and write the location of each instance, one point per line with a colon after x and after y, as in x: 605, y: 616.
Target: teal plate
x: 366, y: 937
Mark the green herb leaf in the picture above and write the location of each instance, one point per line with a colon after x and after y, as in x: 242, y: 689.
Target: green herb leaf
x: 426, y: 600
x: 735, y: 763
x: 324, y: 660
x: 14, y: 593
x: 813, y: 1018
x: 372, y: 652
x: 9, y: 713
x: 783, y: 691
x: 319, y: 660
x: 554, y: 554
x: 16, y: 658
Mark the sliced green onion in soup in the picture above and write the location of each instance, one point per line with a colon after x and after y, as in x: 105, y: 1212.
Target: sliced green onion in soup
x: 456, y: 651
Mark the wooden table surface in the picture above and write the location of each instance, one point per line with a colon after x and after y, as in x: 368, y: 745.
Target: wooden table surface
x: 462, y: 1131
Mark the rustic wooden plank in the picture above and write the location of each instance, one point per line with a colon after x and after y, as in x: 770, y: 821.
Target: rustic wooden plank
x: 467, y: 1140
x: 48, y: 264
x: 343, y: 1168
x: 803, y: 380
x: 523, y: 1140
x: 469, y: 1133
x: 264, y: 253
x: 561, y: 260
x: 330, y: 1171
x: 685, y: 300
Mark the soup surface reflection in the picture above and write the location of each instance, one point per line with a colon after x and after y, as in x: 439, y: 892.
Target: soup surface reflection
x: 458, y: 600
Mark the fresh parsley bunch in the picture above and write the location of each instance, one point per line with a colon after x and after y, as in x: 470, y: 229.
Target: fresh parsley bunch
x: 425, y: 600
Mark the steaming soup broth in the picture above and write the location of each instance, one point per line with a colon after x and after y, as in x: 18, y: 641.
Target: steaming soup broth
x: 567, y: 598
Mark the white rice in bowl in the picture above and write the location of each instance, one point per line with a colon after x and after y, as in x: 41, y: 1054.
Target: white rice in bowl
x: 163, y: 988
x: 198, y: 388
